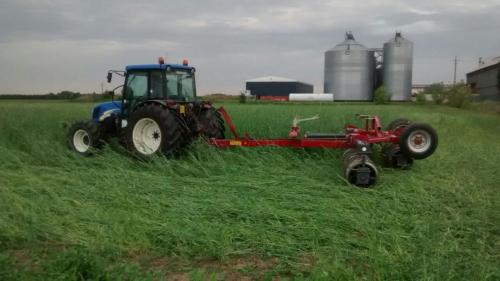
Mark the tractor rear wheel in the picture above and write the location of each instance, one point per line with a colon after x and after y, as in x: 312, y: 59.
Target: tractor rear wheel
x: 212, y: 124
x: 84, y: 137
x: 153, y: 129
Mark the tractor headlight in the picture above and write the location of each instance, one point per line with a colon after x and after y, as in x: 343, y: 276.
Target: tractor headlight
x: 106, y: 114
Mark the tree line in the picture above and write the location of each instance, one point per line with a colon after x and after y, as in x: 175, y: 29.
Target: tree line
x: 64, y: 95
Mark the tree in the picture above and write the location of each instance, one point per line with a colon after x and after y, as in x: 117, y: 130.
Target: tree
x: 421, y: 98
x: 242, y: 98
x: 381, y: 96
x: 437, y: 91
x: 67, y: 95
x: 459, y: 95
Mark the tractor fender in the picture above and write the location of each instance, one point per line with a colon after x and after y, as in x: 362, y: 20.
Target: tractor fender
x: 167, y: 104
x: 164, y: 103
x: 207, y: 105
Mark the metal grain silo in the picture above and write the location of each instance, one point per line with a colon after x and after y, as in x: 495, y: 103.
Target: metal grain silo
x: 398, y: 63
x: 349, y: 71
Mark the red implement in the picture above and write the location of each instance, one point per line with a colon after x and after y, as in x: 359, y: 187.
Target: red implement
x: 351, y: 138
x: 405, y: 141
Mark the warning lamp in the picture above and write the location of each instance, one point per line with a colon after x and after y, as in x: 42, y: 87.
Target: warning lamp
x: 185, y: 62
x: 161, y: 60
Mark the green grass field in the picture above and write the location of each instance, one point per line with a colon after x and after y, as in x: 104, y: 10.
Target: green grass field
x: 243, y: 214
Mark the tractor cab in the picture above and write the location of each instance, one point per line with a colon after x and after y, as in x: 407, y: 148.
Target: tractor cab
x: 172, y: 82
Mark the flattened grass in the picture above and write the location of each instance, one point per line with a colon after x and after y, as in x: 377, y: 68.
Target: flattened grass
x: 108, y: 217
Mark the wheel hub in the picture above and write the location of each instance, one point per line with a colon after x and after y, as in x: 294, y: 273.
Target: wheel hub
x: 81, y: 141
x: 146, y: 136
x: 418, y: 141
x: 156, y: 135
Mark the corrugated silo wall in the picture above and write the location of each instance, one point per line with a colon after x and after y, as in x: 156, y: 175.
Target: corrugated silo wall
x: 398, y: 65
x: 350, y: 75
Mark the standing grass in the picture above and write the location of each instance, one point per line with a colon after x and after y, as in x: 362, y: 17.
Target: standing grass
x: 257, y: 213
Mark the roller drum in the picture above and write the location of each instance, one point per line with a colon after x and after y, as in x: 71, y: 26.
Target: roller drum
x: 359, y: 169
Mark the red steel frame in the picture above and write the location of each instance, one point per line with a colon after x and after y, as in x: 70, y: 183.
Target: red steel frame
x: 371, y: 134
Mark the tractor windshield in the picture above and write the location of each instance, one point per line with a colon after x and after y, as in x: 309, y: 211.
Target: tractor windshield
x: 155, y: 84
x: 180, y: 85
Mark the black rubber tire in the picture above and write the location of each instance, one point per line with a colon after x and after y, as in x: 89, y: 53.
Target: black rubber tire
x: 405, y: 135
x: 212, y: 124
x: 94, y: 138
x: 397, y: 123
x: 186, y: 135
x: 109, y: 127
x: 394, y: 158
x: 172, y: 132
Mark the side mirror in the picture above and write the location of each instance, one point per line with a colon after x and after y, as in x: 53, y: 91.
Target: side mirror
x: 110, y: 75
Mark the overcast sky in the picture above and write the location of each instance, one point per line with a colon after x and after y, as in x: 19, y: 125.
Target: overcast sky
x: 53, y: 45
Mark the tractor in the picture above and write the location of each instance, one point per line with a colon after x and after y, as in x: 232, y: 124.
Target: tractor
x: 158, y: 114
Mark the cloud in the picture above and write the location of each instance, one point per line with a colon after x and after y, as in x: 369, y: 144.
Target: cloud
x: 417, y: 27
x: 422, y: 12
x: 50, y: 45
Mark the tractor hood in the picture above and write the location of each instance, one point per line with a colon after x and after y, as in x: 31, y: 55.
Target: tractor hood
x: 105, y: 110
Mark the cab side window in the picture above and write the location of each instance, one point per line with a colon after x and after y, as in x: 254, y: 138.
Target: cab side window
x: 156, y: 87
x: 172, y: 85
x: 137, y: 85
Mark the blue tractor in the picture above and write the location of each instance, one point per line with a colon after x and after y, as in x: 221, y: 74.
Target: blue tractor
x: 158, y: 113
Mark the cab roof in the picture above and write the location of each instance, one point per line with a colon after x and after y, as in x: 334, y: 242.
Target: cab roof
x: 158, y: 66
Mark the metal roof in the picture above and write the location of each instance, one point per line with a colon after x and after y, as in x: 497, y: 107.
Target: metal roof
x: 271, y: 79
x: 157, y: 66
x: 483, y: 69
x: 398, y: 38
x: 349, y: 44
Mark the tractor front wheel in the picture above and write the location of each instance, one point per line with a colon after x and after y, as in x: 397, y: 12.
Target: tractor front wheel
x: 153, y: 129
x: 84, y: 137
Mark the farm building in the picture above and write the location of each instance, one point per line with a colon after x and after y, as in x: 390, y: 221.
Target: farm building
x: 418, y: 88
x: 276, y: 88
x: 485, y: 81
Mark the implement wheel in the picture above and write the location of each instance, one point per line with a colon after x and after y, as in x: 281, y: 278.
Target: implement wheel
x: 154, y: 129
x: 394, y: 158
x: 84, y: 137
x: 398, y: 123
x: 418, y: 141
x: 212, y: 124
